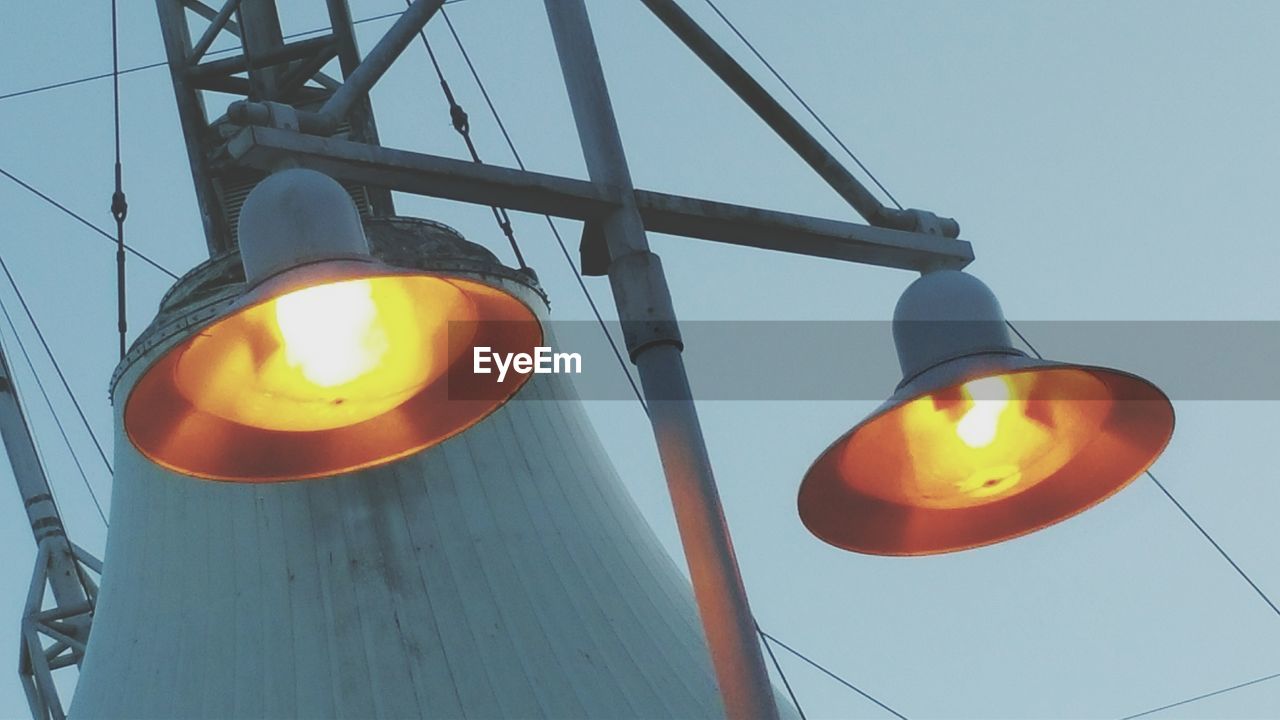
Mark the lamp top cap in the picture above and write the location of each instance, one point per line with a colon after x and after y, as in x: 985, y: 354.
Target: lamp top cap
x: 947, y: 295
x: 295, y: 217
x: 944, y: 315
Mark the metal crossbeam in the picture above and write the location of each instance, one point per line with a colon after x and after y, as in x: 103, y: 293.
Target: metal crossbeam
x: 451, y: 179
x: 297, y: 50
x: 278, y: 71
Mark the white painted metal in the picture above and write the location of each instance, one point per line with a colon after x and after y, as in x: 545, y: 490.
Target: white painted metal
x: 944, y: 315
x: 503, y: 574
x: 652, y: 336
x: 297, y: 216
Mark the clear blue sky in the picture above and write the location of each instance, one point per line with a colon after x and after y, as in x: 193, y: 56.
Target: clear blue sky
x: 1108, y: 161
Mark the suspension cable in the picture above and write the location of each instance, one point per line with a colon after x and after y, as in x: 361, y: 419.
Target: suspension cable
x: 35, y: 444
x: 462, y: 124
x: 163, y: 63
x: 54, y: 361
x: 805, y: 105
x: 555, y: 231
x: 79, y: 218
x: 66, y: 440
x: 119, y: 206
x: 768, y: 647
x: 1190, y: 700
x: 832, y: 675
x: 1225, y: 555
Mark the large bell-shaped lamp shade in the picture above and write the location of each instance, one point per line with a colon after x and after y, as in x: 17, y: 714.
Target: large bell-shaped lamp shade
x: 330, y: 361
x: 979, y: 443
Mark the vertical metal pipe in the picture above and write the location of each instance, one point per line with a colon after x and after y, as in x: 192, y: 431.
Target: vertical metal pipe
x: 360, y: 118
x: 260, y: 35
x: 649, y: 323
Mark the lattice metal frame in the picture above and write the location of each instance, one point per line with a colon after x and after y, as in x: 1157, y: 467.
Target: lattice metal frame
x: 267, y: 69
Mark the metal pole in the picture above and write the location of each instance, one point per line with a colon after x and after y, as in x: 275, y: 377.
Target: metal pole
x: 653, y: 339
x: 261, y: 36
x: 790, y: 129
x: 46, y: 524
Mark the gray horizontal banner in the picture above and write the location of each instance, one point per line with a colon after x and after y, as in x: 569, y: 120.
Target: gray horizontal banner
x: 838, y: 360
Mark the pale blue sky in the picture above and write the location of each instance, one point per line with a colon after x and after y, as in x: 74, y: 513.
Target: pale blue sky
x: 1109, y: 160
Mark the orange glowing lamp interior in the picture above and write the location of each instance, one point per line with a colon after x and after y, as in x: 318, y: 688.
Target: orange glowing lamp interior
x: 979, y: 442
x: 326, y: 356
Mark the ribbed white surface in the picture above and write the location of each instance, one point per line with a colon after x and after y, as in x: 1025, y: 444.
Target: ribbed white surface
x: 505, y: 573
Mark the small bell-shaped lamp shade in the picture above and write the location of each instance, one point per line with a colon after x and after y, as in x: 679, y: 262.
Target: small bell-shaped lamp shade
x: 979, y: 443
x: 330, y: 361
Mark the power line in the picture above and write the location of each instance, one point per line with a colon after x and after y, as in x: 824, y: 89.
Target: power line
x: 805, y: 105
x: 1214, y: 543
x: 114, y: 75
x: 66, y: 386
x: 87, y: 78
x: 833, y: 676
x: 764, y: 639
x: 137, y: 253
x: 1201, y: 697
x: 163, y: 63
x: 1225, y: 555
x: 13, y: 328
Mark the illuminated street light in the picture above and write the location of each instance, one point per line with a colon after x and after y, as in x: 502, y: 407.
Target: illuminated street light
x: 330, y: 360
x: 979, y: 443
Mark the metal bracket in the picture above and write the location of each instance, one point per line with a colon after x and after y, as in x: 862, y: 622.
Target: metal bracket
x: 281, y: 116
x: 593, y: 252
x: 931, y: 224
x: 640, y: 284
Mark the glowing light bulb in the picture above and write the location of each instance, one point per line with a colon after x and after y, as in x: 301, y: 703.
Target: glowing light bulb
x: 331, y: 332
x: 990, y: 397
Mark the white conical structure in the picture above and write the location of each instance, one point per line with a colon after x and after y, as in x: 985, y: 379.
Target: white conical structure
x: 503, y: 574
